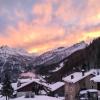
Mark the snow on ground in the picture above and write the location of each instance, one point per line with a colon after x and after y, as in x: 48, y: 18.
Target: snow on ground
x: 58, y: 68
x: 14, y: 85
x: 55, y: 70
x: 35, y: 98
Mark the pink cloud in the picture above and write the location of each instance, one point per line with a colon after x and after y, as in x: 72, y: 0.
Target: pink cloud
x: 41, y: 34
x: 43, y: 13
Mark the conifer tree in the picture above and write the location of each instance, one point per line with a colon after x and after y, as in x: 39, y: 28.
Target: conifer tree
x: 7, y: 89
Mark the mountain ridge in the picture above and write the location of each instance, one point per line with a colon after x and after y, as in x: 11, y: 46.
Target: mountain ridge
x: 57, y: 55
x: 18, y: 60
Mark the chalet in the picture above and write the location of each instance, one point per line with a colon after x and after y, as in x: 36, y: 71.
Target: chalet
x: 76, y: 82
x: 40, y: 87
x: 96, y: 80
x: 56, y: 89
x: 34, y: 85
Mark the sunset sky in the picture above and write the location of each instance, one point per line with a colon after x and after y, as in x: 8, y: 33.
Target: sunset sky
x: 41, y: 25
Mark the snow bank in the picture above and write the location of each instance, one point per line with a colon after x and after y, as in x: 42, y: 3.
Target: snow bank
x: 36, y: 98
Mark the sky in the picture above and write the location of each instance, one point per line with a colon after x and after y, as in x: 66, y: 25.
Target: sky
x: 42, y: 25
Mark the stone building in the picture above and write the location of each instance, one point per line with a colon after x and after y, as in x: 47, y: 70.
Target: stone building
x: 96, y: 80
x: 76, y: 82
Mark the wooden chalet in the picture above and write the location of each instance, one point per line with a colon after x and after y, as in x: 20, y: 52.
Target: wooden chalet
x: 35, y: 85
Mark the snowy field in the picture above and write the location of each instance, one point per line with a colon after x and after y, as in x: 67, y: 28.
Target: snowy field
x: 35, y: 98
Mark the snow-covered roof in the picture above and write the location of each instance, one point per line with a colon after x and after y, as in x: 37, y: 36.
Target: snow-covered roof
x: 96, y: 71
x: 51, y: 87
x: 25, y: 80
x: 31, y: 81
x: 77, y: 76
x: 89, y: 90
x: 96, y: 78
x: 56, y: 86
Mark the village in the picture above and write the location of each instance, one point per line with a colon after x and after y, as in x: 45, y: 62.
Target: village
x: 83, y: 85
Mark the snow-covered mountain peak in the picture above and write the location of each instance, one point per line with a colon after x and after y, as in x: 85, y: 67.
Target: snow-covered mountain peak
x: 4, y: 47
x: 60, y: 53
x: 82, y: 44
x: 13, y: 51
x: 78, y: 46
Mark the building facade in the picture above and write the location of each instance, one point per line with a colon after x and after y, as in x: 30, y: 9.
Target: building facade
x: 76, y: 82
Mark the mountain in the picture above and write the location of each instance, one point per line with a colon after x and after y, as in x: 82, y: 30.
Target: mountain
x: 86, y: 58
x: 5, y: 50
x: 15, y: 60
x: 53, y: 61
x: 51, y: 65
x: 57, y: 55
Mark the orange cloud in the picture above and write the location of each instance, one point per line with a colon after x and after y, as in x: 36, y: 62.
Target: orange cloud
x: 54, y: 23
x: 29, y: 36
x: 40, y: 39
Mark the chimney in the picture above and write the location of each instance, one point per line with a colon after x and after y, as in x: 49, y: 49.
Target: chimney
x: 18, y: 84
x: 97, y: 72
x: 83, y: 72
x: 72, y: 76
